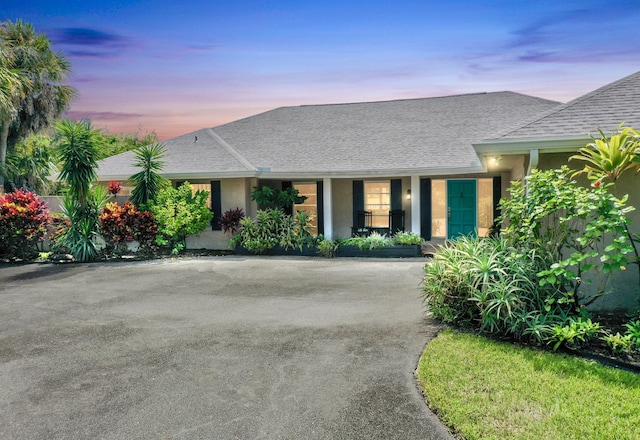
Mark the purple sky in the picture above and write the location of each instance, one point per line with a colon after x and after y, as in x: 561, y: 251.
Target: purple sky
x: 175, y: 67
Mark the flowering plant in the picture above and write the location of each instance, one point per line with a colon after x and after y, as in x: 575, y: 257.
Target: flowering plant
x: 114, y: 187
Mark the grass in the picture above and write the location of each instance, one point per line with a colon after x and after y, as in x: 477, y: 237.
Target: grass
x: 483, y: 389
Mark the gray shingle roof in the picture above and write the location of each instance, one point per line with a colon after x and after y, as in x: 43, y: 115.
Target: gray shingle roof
x: 433, y: 134
x: 605, y: 108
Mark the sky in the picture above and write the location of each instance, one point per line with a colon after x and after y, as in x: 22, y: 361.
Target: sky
x: 175, y: 67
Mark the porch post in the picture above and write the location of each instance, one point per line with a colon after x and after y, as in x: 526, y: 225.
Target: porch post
x: 415, y: 204
x: 327, y: 197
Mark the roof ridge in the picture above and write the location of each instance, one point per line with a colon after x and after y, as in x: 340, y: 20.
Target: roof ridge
x: 235, y: 153
x: 405, y: 99
x: 579, y: 99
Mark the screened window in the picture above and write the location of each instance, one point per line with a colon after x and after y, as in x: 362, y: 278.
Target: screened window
x: 377, y: 200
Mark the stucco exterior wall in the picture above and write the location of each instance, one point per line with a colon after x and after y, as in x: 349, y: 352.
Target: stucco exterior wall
x: 342, y: 195
x: 236, y: 193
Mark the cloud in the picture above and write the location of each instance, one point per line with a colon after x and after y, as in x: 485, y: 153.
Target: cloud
x: 102, y: 116
x: 91, y: 43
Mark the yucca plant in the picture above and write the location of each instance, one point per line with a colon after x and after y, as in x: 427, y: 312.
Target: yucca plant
x: 148, y: 182
x: 83, y: 203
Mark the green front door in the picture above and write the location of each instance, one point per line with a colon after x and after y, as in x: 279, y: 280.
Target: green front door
x: 461, y: 205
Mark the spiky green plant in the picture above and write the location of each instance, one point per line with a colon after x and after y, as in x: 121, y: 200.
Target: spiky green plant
x: 148, y: 182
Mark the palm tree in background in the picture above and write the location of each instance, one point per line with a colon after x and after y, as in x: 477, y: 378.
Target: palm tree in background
x: 31, y: 94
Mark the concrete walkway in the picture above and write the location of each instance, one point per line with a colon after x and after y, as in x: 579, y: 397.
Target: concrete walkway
x: 214, y: 348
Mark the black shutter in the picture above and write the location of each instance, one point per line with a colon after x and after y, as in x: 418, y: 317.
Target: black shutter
x: 425, y: 209
x: 285, y: 185
x: 216, y: 205
x: 320, y: 206
x: 396, y: 194
x: 358, y: 199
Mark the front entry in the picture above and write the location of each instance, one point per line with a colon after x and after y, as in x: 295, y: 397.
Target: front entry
x: 461, y: 206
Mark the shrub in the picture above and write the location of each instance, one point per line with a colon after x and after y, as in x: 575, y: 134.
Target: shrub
x: 23, y: 223
x: 83, y: 202
x: 272, y: 227
x: 269, y: 198
x: 407, y: 239
x: 483, y: 283
x: 373, y: 241
x: 114, y: 187
x: 327, y: 248
x: 575, y: 334
x: 230, y: 221
x: 633, y: 331
x: 148, y: 183
x: 180, y: 213
x: 124, y: 224
x: 618, y: 343
x: 574, y: 230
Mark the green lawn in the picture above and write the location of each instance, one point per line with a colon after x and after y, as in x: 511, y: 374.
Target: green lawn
x: 484, y: 389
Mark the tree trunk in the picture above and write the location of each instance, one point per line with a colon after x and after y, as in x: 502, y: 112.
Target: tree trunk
x: 4, y: 135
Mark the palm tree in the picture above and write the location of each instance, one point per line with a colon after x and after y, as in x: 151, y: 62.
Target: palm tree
x: 147, y: 182
x: 31, y: 94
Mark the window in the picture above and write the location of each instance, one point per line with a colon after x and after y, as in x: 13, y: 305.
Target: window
x: 310, y: 205
x: 439, y: 208
x: 377, y: 200
x: 485, y: 206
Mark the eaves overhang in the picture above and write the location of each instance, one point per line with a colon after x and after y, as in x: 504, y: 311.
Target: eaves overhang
x: 267, y: 173
x: 565, y: 144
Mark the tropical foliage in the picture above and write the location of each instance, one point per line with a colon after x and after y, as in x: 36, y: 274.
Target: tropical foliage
x: 23, y: 223
x: 148, y: 182
x: 273, y: 227
x: 30, y: 164
x: 179, y: 213
x: 83, y: 202
x: 230, y: 221
x: 534, y: 281
x: 122, y: 225
x: 32, y: 93
x: 269, y: 198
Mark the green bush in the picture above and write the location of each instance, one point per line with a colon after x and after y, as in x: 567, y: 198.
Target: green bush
x: 483, y: 283
x: 180, y: 213
x: 272, y: 227
x: 574, y: 230
x: 407, y: 239
x: 327, y: 248
x: 575, y: 334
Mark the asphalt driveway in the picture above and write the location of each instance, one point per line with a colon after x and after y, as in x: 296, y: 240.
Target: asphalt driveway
x: 214, y: 348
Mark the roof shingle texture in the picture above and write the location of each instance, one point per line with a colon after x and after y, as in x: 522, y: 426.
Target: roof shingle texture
x: 435, y: 133
x: 605, y: 108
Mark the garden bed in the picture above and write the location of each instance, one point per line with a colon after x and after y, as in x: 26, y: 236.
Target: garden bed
x: 395, y: 251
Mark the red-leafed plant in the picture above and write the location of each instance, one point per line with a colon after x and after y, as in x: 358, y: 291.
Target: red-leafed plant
x: 124, y: 224
x: 23, y: 223
x: 230, y: 221
x: 114, y: 187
